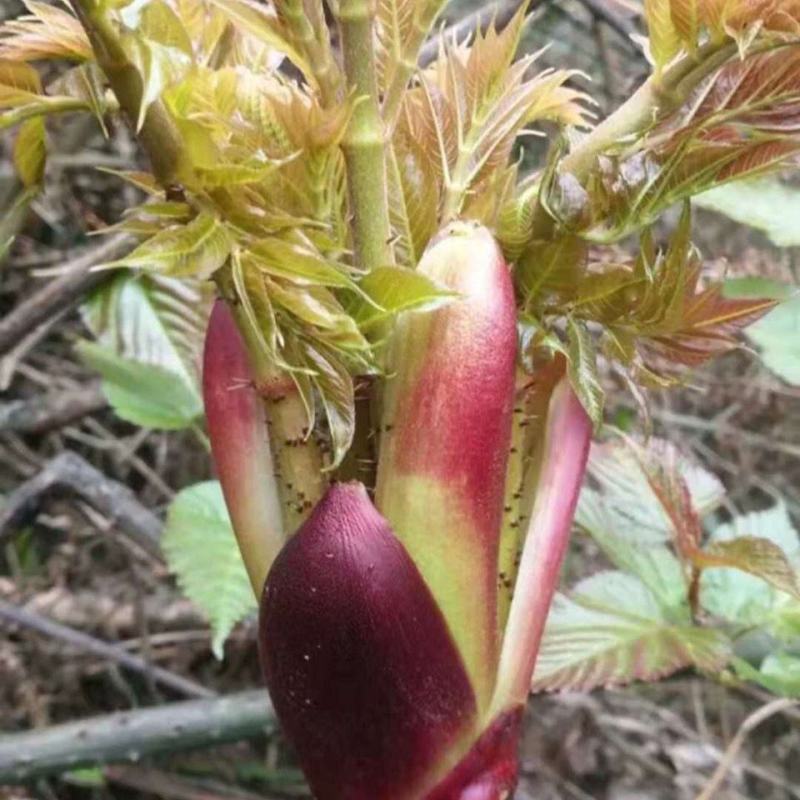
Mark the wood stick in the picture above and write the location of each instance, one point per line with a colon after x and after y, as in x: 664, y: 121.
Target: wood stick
x: 14, y: 615
x: 68, y: 471
x: 63, y: 292
x: 132, y: 735
x: 47, y: 412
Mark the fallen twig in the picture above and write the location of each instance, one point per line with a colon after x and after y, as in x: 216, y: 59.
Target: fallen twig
x: 47, y: 412
x: 69, y: 471
x: 133, y: 735
x: 89, y: 644
x: 171, y: 787
x: 750, y: 724
x: 61, y: 293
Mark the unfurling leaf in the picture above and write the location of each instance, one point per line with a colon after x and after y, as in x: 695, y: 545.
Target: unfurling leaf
x: 197, y: 249
x: 201, y: 550
x: 582, y: 370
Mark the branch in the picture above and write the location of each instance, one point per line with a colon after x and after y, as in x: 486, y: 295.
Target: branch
x: 750, y: 724
x: 132, y: 735
x: 47, y: 412
x: 83, y: 641
x: 159, y: 136
x: 69, y: 471
x: 624, y: 27
x: 62, y: 293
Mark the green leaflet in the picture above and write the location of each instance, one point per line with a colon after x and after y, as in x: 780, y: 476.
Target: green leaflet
x: 611, y: 630
x: 144, y: 394
x: 150, y: 331
x: 202, y: 551
x: 777, y: 335
x: 197, y: 249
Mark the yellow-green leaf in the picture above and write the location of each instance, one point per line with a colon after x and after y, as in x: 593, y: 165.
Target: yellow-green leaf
x: 30, y: 152
x: 199, y: 248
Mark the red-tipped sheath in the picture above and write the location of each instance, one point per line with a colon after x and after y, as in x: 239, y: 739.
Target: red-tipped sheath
x: 240, y: 446
x: 446, y: 434
x: 568, y: 433
x: 363, y: 673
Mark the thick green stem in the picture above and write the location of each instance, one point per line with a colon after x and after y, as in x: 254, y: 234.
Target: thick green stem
x: 158, y: 134
x: 364, y: 143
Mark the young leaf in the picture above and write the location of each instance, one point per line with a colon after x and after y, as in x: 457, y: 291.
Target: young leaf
x: 152, y: 319
x: 754, y: 555
x: 48, y: 31
x: 392, y: 290
x: 630, y: 549
x: 150, y: 331
x: 582, y: 369
x: 629, y: 497
x: 30, y: 152
x: 197, y: 249
x: 201, y: 550
x: 611, y: 631
x: 743, y: 597
x: 779, y: 673
x: 144, y: 394
x: 665, y: 41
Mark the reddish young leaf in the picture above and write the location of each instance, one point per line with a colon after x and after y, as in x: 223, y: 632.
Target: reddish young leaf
x: 660, y: 465
x: 362, y: 670
x: 754, y: 555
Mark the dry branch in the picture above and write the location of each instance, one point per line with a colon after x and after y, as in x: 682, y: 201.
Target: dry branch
x: 50, y: 411
x: 70, y: 472
x: 62, y: 293
x: 14, y: 615
x: 133, y: 735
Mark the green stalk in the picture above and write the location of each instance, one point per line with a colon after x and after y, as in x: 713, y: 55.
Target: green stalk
x: 159, y: 135
x: 657, y: 96
x: 307, y: 25
x: 298, y: 458
x: 364, y: 143
x: 45, y: 106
